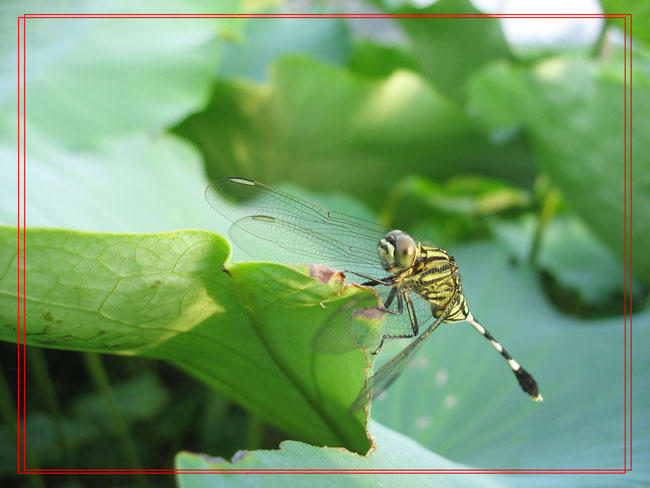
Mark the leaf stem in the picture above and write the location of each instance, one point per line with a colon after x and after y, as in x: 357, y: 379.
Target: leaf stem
x: 255, y: 432
x: 98, y: 375
x: 214, y: 416
x: 601, y: 43
x: 395, y: 195
x: 551, y: 201
x: 45, y: 388
x: 8, y: 414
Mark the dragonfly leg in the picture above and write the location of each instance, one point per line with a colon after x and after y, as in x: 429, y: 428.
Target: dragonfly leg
x: 401, y: 297
x: 400, y: 309
x: 376, y: 351
x: 372, y: 281
x: 412, y: 316
x: 389, y: 301
x: 391, y: 297
x: 390, y: 371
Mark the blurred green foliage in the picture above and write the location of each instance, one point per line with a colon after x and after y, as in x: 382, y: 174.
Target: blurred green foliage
x: 640, y: 10
x: 452, y: 43
x: 513, y: 159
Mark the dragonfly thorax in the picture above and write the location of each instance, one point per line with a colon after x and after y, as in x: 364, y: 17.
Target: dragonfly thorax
x: 397, y: 250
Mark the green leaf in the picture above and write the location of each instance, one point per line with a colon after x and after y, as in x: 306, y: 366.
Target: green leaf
x: 41, y: 430
x: 640, y: 11
x: 341, y: 129
x: 491, y: 92
x: 377, y: 60
x: 588, y: 167
x: 267, y: 39
x: 252, y: 332
x: 392, y: 450
x: 573, y: 110
x: 454, y: 211
x: 449, y: 50
x: 138, y: 398
x: 93, y: 79
x: 571, y: 253
x: 137, y: 184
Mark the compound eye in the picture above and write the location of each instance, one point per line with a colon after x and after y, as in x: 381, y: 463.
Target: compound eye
x: 404, y: 251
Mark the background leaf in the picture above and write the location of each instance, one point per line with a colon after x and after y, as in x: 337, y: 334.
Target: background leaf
x: 93, y: 83
x: 136, y: 184
x: 640, y: 11
x: 568, y: 95
x: 393, y: 451
x: 449, y: 50
x: 341, y: 129
x: 327, y: 40
x: 139, y: 399
x: 573, y: 255
x: 454, y: 211
x: 371, y: 59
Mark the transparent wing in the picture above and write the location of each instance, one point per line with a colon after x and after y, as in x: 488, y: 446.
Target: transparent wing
x: 390, y: 371
x: 275, y: 226
x: 272, y: 225
x: 401, y: 325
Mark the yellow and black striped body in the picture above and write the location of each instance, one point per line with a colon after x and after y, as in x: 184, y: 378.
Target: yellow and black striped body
x: 434, y: 276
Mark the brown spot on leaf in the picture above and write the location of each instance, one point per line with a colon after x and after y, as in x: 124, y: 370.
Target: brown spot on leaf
x: 155, y: 284
x: 374, y: 290
x: 371, y: 313
x: 325, y: 274
x: 48, y: 317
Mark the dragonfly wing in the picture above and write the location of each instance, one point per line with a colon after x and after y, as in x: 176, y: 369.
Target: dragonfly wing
x: 289, y: 229
x: 240, y: 197
x: 390, y: 371
x: 279, y: 240
x: 401, y: 325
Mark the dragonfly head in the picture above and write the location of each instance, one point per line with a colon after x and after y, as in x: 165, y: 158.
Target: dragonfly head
x: 397, y: 250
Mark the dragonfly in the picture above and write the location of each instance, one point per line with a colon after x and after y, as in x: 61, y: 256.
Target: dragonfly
x: 418, y: 284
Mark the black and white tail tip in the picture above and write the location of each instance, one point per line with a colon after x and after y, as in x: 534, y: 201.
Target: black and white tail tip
x: 525, y: 379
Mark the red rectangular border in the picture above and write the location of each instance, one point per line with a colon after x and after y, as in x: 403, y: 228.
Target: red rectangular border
x: 21, y: 97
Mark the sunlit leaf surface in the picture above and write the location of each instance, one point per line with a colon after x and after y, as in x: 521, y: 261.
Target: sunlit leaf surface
x: 253, y: 332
